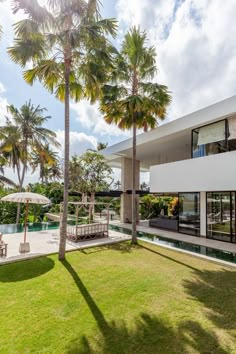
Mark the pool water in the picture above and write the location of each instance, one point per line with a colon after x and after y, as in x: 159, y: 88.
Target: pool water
x: 159, y: 240
x: 36, y: 226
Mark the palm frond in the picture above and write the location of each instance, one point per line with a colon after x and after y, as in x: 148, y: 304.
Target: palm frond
x: 8, y: 181
x: 32, y: 8
x: 27, y: 50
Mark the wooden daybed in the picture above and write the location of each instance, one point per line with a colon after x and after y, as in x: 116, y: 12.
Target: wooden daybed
x: 87, y: 232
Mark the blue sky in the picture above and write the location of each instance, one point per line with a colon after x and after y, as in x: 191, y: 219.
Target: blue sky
x: 195, y: 42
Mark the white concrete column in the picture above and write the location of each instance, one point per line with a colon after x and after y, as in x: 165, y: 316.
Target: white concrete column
x: 126, y: 184
x: 203, y: 216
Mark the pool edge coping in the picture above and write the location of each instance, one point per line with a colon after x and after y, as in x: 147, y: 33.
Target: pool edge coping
x: 202, y: 256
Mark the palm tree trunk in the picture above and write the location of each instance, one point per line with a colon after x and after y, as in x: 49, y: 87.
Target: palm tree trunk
x: 21, y: 181
x: 63, y: 226
x: 134, y: 204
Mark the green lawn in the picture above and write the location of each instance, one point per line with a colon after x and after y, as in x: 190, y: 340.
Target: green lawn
x: 118, y: 299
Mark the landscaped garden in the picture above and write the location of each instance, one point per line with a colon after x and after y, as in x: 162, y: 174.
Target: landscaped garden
x: 118, y: 299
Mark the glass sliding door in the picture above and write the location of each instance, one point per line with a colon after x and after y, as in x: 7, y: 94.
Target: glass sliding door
x: 221, y: 216
x: 189, y: 213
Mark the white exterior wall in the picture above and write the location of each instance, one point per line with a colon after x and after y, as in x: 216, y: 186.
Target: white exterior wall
x: 210, y: 173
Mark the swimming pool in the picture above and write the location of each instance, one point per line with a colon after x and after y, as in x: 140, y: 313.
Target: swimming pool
x: 36, y: 226
x: 159, y: 240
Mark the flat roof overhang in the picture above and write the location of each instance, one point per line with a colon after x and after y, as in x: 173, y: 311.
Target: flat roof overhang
x: 171, y: 141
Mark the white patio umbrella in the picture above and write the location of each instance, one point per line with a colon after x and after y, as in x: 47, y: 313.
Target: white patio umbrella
x: 26, y: 198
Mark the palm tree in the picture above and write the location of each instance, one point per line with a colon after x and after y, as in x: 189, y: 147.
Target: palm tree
x: 55, y: 172
x: 132, y: 99
x: 22, y: 134
x: 66, y: 42
x: 48, y: 162
x: 4, y: 180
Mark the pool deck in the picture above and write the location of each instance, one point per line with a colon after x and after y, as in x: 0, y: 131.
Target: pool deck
x: 201, y: 241
x: 47, y: 242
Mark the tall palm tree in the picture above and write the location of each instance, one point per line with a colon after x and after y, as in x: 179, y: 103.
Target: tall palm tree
x: 66, y: 42
x: 22, y: 134
x: 48, y: 162
x: 132, y: 99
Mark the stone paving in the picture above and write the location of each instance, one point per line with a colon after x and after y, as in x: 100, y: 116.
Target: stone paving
x: 47, y: 242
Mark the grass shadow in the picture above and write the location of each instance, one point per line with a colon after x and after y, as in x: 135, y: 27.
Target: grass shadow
x: 211, y: 288
x: 123, y: 247
x: 25, y: 270
x: 169, y: 258
x: 148, y: 333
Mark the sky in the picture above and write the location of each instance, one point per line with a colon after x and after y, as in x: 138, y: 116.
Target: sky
x: 196, y: 59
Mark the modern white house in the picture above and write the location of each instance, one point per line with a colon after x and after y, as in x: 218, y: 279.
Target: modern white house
x: 194, y: 158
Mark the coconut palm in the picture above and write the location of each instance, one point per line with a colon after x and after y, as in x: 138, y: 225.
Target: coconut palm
x: 4, y: 180
x: 22, y: 134
x: 132, y: 99
x: 66, y: 43
x: 48, y: 162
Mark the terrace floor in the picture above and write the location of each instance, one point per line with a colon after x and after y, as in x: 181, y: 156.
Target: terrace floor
x: 47, y: 242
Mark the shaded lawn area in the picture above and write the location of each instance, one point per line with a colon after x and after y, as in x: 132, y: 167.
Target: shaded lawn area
x: 118, y: 299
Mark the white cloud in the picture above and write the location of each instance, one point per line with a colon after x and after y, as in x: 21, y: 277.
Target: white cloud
x: 90, y: 118
x: 3, y: 104
x: 195, y: 42
x: 79, y: 142
x: 2, y: 88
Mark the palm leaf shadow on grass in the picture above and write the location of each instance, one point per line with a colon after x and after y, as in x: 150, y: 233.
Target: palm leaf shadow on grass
x: 148, y: 335
x: 24, y: 270
x: 168, y: 257
x: 122, y: 247
x: 212, y: 288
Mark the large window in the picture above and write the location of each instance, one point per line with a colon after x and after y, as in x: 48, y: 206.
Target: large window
x: 221, y: 216
x: 189, y: 213
x: 214, y: 138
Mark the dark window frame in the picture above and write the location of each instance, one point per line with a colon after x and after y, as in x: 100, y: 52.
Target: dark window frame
x: 232, y: 235
x: 199, y: 196
x: 206, y: 125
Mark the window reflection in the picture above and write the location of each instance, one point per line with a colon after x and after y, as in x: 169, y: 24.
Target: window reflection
x: 214, y: 138
x: 189, y: 213
x: 221, y: 216
x: 209, y: 140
